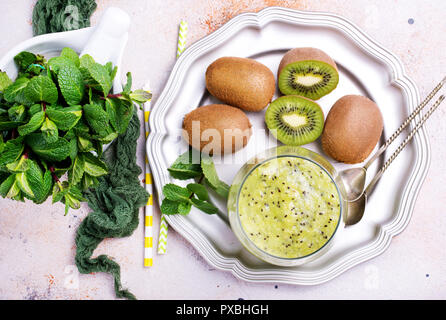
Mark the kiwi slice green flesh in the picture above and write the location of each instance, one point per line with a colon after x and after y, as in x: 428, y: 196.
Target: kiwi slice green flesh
x: 294, y: 120
x: 309, y: 78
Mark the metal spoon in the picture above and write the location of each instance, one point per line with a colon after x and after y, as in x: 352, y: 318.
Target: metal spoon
x: 356, y: 208
x: 354, y: 178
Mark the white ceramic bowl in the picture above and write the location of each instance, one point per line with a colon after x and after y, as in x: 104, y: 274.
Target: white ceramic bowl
x: 104, y: 42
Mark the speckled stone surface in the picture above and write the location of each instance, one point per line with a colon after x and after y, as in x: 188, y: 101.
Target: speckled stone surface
x: 37, y: 242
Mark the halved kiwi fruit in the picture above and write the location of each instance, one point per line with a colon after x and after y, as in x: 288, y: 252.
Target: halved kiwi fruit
x: 294, y: 120
x: 308, y: 72
x: 309, y: 78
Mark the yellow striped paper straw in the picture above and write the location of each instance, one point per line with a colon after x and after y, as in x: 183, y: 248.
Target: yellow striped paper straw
x: 162, y: 237
x: 148, y: 216
x: 182, y: 36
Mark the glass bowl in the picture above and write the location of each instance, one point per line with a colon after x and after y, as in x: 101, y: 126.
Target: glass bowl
x: 245, y: 172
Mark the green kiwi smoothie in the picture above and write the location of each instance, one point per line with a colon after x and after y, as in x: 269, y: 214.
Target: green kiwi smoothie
x: 289, y: 207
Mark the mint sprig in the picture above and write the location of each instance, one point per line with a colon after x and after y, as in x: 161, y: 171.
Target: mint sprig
x: 178, y: 199
x: 55, y: 118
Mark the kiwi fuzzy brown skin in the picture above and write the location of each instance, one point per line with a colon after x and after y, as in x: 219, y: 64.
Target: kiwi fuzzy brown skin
x: 241, y: 82
x: 306, y: 53
x: 219, y: 117
x: 352, y: 129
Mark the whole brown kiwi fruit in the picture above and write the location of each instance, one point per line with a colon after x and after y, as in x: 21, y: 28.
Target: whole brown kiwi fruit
x: 352, y: 129
x: 217, y: 129
x: 241, y: 82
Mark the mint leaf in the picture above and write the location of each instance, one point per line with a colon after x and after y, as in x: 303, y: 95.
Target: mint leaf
x: 84, y: 145
x: 88, y: 182
x: 140, y: 96
x: 71, y: 196
x: 95, y: 74
x: 59, y: 191
x: 15, y: 91
x: 204, y: 206
x: 128, y: 86
x: 119, y: 112
x: 86, y: 61
x: 15, y: 193
x: 41, y: 88
x: 24, y: 59
x: 102, y: 77
x: 71, y: 84
x: 34, y: 109
x: 11, y: 151
x: 74, y: 197
x: 69, y: 135
x: 221, y: 188
x: 97, y: 118
x: 73, y: 147
x: 34, y: 123
x: 81, y: 129
x: 106, y: 139
x: 22, y: 181
x: 17, y: 113
x: 71, y: 55
x: 169, y: 207
x: 46, y: 187
x: 49, y: 130
x: 6, y: 185
x: 5, y: 124
x: 93, y: 166
x: 39, y: 184
x: 56, y: 63
x: 65, y: 118
x: 9, y: 188
x: 2, y: 147
x: 5, y: 81
x: 77, y: 171
x: 184, y: 208
x: 20, y: 165
x: 211, y: 176
x: 71, y: 202
x: 55, y: 151
x: 199, y: 190
x: 186, y: 166
x: 176, y: 193
x: 111, y: 70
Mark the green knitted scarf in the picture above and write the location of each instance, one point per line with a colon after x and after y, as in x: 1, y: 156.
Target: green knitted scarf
x: 117, y: 199
x: 115, y: 204
x: 62, y: 15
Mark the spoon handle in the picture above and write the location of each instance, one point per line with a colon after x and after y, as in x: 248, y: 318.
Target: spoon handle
x: 406, y: 122
x: 403, y: 144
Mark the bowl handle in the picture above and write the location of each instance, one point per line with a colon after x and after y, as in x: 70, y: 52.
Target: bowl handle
x: 109, y: 37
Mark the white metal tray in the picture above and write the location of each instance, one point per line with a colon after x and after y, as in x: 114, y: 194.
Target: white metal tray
x: 365, y: 68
